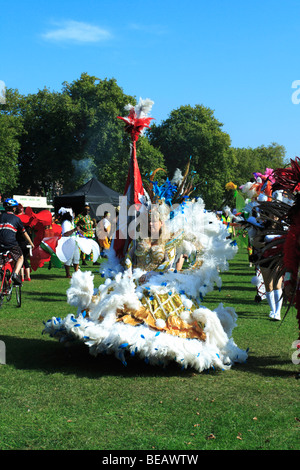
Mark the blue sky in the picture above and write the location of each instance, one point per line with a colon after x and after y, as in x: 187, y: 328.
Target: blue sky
x: 239, y: 58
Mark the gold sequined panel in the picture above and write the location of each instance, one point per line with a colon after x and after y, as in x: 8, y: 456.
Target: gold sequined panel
x: 177, y: 327
x: 162, y: 305
x: 165, y: 307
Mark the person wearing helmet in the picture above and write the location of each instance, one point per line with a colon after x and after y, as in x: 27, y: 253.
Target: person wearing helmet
x: 10, y: 224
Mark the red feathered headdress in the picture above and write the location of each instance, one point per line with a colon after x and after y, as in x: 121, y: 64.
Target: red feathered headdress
x: 288, y: 179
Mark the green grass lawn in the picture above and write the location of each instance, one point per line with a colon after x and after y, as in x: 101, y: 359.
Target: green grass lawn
x: 57, y: 397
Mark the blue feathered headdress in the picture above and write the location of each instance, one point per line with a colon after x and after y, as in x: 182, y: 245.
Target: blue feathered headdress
x: 165, y: 191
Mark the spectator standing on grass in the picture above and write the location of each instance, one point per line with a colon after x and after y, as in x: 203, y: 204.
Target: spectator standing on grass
x: 103, y: 233
x: 10, y: 225
x: 227, y: 220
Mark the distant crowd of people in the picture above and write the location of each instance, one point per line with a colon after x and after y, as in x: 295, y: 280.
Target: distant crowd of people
x: 20, y: 236
x: 15, y: 239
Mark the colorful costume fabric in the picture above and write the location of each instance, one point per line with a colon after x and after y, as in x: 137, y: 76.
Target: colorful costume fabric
x: 66, y: 246
x: 146, y: 307
x: 151, y: 303
x: 280, y: 231
x: 85, y: 223
x: 45, y: 237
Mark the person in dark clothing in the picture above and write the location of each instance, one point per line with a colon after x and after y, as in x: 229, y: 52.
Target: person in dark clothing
x: 22, y: 241
x: 10, y: 225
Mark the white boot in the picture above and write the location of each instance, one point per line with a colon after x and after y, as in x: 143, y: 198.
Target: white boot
x: 271, y: 302
x: 278, y: 303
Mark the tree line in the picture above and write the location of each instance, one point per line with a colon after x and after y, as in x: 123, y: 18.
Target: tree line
x: 53, y: 142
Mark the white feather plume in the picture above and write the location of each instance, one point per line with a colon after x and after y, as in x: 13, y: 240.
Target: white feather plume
x: 101, y: 331
x: 142, y: 109
x: 178, y: 177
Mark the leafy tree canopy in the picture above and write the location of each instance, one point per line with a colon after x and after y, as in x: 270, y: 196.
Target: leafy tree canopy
x: 11, y: 128
x: 72, y: 135
x: 54, y: 142
x: 249, y: 160
x: 194, y: 131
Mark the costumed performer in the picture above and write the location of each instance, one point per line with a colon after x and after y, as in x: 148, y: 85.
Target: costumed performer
x: 72, y: 242
x: 281, y: 216
x: 288, y: 181
x: 256, y: 190
x: 46, y: 233
x: 147, y: 307
x: 227, y: 220
x: 251, y: 226
x: 69, y: 229
x: 38, y: 222
x: 261, y: 233
x: 86, y: 225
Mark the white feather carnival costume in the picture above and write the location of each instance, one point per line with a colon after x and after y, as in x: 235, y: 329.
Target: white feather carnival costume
x: 151, y: 302
x: 162, y: 319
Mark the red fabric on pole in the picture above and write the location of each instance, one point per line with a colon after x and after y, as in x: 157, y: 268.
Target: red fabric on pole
x: 134, y: 185
x: 133, y: 191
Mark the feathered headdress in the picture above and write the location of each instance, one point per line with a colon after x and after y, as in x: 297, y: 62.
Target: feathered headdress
x: 64, y: 210
x: 172, y: 192
x: 268, y: 175
x: 137, y: 120
x: 288, y: 179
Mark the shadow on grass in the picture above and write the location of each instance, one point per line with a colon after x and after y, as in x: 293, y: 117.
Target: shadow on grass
x: 227, y: 287
x: 46, y: 296
x: 267, y: 366
x: 46, y: 277
x: 228, y: 299
x: 49, y: 275
x: 52, y: 357
x: 242, y: 276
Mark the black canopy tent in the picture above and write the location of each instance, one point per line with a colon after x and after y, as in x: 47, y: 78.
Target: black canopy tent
x: 93, y: 192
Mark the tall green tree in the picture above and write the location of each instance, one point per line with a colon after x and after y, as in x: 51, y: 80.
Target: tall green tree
x: 194, y: 131
x: 250, y: 160
x: 105, y: 145
x: 50, y: 141
x: 56, y: 141
x: 149, y: 158
x: 11, y: 128
x: 102, y: 139
x: 72, y: 135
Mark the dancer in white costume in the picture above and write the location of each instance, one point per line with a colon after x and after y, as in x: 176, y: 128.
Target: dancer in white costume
x: 151, y: 309
x: 68, y: 247
x: 151, y: 304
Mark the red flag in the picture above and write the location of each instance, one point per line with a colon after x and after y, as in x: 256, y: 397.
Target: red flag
x: 134, y: 185
x: 134, y: 190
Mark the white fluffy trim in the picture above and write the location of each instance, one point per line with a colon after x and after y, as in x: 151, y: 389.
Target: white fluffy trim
x: 157, y: 348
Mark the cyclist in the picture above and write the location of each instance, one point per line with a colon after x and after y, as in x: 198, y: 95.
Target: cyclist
x: 10, y: 224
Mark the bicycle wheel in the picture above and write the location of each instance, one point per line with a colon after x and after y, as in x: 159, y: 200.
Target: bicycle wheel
x: 1, y: 287
x: 18, y: 295
x: 8, y: 286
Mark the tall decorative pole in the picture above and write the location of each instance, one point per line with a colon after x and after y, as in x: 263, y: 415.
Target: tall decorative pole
x: 135, y: 124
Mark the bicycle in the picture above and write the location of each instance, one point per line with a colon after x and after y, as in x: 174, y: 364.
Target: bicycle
x: 6, y: 283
